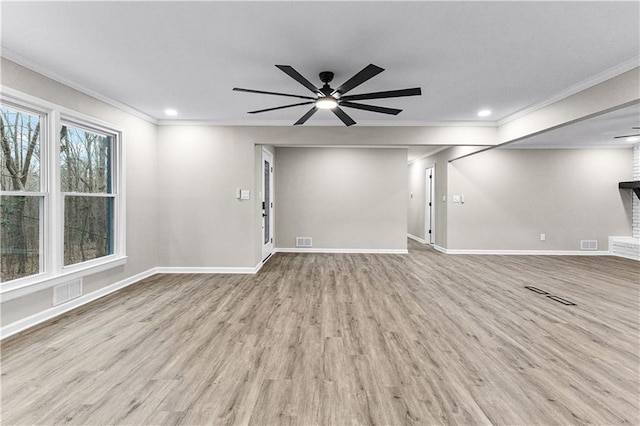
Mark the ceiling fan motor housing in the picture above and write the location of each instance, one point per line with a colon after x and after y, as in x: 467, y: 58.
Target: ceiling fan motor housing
x: 328, y: 98
x: 326, y: 77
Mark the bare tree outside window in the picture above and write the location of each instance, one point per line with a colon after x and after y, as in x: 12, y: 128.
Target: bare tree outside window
x: 85, y: 173
x: 19, y: 213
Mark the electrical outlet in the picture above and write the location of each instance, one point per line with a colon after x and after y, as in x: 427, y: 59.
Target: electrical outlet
x: 543, y: 237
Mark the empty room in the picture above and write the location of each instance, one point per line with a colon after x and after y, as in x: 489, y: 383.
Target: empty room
x: 319, y: 212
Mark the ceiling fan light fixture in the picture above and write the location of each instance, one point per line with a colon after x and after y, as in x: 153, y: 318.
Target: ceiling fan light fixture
x: 326, y: 102
x: 633, y: 139
x: 484, y: 113
x: 334, y: 99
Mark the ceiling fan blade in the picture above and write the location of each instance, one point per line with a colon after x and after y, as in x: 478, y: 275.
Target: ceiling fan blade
x: 636, y: 128
x: 306, y: 116
x: 348, y: 121
x: 371, y: 108
x: 626, y: 136
x: 280, y: 107
x: 238, y: 89
x: 388, y: 94
x: 365, y: 74
x: 288, y: 69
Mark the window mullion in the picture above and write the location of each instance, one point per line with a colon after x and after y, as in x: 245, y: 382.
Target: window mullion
x: 56, y: 204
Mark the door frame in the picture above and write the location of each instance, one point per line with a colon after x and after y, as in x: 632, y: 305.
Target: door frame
x: 267, y: 247
x: 429, y: 204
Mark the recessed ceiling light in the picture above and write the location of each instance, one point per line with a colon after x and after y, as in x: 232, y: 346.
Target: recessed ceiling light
x: 633, y: 139
x: 170, y: 112
x: 484, y: 113
x: 327, y: 102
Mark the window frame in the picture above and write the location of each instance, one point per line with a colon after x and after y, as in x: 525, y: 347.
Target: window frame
x: 53, y: 271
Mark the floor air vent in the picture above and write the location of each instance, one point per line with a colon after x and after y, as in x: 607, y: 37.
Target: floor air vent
x: 550, y: 296
x: 561, y: 300
x: 588, y: 244
x: 67, y: 291
x: 304, y: 242
x: 535, y: 289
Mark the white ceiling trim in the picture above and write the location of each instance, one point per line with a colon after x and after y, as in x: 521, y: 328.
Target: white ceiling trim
x: 33, y: 66
x: 590, y: 82
x: 429, y: 154
x: 327, y: 123
x: 586, y: 84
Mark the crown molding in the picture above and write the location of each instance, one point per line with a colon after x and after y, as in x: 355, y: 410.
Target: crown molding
x: 33, y: 66
x: 583, y: 85
x: 576, y: 88
x: 326, y: 123
x: 429, y: 154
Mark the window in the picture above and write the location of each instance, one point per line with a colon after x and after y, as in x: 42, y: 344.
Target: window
x: 21, y: 202
x: 61, y: 201
x: 85, y: 176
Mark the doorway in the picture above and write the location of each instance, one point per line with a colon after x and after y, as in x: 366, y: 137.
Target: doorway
x: 267, y: 204
x: 430, y: 189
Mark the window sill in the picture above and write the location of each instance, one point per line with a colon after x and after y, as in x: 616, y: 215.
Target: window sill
x: 29, y: 285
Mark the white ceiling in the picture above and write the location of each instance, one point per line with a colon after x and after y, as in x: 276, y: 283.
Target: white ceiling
x: 594, y: 132
x: 507, y: 56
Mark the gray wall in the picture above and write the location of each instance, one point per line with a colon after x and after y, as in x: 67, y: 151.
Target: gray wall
x: 201, y: 223
x: 416, y: 205
x: 182, y: 210
x: 512, y: 196
x: 141, y: 184
x: 344, y: 198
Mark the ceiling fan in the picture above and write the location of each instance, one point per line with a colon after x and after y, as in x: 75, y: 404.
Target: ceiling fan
x: 629, y: 136
x: 329, y: 98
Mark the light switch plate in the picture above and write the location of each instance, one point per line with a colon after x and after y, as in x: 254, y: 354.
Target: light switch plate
x: 245, y: 194
x: 456, y: 198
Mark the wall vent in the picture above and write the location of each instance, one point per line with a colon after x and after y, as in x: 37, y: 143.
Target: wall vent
x: 304, y: 242
x: 67, y: 291
x: 588, y: 244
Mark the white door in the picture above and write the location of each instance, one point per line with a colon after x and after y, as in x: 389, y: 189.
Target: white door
x: 428, y: 208
x: 267, y: 204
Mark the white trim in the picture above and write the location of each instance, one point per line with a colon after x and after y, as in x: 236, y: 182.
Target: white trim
x: 23, y: 194
x: 576, y: 88
x: 585, y: 84
x: 25, y: 323
x: 341, y: 251
x: 432, y: 153
x: 20, y: 288
x: 286, y: 145
x: 52, y: 209
x: 418, y: 239
x: 208, y: 269
x: 326, y: 123
x: 524, y: 252
x: 440, y: 249
x: 267, y: 248
x: 33, y: 66
x: 626, y: 256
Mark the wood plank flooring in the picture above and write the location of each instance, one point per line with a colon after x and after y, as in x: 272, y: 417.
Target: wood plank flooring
x: 343, y: 339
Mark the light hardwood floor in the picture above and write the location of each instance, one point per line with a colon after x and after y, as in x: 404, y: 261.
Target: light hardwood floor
x: 312, y: 339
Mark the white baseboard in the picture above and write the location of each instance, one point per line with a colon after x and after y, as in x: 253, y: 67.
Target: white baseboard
x: 525, y: 252
x: 208, y: 269
x: 28, y: 322
x: 418, y: 239
x: 341, y: 251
